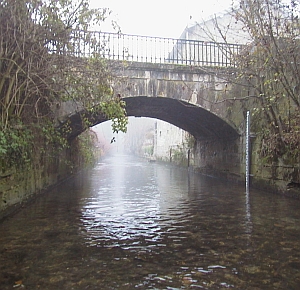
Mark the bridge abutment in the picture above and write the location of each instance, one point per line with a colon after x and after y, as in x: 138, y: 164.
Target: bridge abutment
x: 220, y: 158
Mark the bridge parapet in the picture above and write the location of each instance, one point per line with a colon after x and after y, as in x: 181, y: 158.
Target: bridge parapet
x: 147, y: 49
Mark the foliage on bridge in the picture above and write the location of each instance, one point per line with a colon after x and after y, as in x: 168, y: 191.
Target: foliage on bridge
x: 38, y: 71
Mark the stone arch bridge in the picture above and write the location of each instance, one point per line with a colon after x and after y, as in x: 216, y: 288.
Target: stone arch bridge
x: 192, y: 96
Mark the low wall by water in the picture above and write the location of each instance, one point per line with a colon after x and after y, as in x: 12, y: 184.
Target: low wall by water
x: 19, y: 185
x: 227, y: 159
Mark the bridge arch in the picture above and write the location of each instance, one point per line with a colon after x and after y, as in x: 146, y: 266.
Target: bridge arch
x: 196, y: 120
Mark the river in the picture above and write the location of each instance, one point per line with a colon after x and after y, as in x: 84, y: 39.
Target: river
x: 132, y: 224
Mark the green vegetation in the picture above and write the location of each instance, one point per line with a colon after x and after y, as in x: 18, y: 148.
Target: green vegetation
x: 148, y: 150
x: 180, y: 153
x: 86, y: 142
x: 39, y: 70
x: 15, y: 147
x: 268, y: 68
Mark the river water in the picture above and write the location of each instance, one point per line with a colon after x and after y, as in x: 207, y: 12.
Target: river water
x: 131, y: 224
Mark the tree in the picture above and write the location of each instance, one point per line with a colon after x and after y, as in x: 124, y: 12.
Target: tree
x: 269, y: 65
x: 41, y: 65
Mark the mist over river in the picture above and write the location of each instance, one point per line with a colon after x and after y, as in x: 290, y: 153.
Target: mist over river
x: 132, y: 224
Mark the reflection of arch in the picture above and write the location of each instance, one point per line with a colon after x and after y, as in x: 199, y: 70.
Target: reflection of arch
x: 199, y: 122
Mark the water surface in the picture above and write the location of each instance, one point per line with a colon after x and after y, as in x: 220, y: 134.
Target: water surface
x: 130, y: 224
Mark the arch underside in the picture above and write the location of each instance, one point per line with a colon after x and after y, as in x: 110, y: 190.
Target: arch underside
x: 199, y: 122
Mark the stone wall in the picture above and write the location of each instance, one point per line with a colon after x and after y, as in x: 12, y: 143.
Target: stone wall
x: 282, y: 176
x: 18, y: 185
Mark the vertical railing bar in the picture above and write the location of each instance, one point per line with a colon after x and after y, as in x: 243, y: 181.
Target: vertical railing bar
x: 162, y: 43
x: 146, y: 50
x: 210, y: 53
x: 219, y: 55
x: 227, y: 53
x: 181, y: 56
x: 123, y: 47
x: 188, y: 51
x: 215, y: 55
x: 195, y: 52
x: 108, y: 48
x: 132, y: 48
x: 140, y: 40
x: 119, y: 45
x: 184, y: 52
x: 142, y: 48
x: 202, y: 53
x: 177, y: 52
x: 137, y: 48
x: 135, y: 51
x: 175, y: 44
x: 163, y: 50
x: 159, y: 49
x: 166, y: 52
x: 178, y: 45
x: 198, y: 53
x: 219, y: 49
x: 116, y: 45
x: 151, y: 46
x: 222, y: 55
x: 205, y: 56
x: 155, y: 49
x: 171, y: 55
x: 231, y: 49
x: 174, y: 51
x: 187, y: 44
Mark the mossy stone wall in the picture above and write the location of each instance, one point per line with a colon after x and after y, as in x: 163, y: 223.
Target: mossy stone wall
x: 47, y: 169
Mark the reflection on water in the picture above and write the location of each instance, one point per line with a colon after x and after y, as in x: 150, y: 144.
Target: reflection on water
x: 134, y: 202
x: 130, y: 224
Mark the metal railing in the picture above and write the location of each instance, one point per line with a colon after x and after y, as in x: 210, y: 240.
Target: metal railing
x: 148, y: 49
